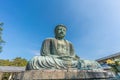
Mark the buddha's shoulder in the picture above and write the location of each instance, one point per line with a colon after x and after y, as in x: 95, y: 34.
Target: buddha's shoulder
x: 68, y: 41
x: 49, y: 39
x: 53, y: 39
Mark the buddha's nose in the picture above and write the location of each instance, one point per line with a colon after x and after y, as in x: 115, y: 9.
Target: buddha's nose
x: 61, y: 32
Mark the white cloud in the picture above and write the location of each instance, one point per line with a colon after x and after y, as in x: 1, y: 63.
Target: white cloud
x: 35, y: 52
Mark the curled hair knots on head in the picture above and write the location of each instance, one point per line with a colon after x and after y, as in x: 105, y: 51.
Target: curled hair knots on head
x: 59, y: 25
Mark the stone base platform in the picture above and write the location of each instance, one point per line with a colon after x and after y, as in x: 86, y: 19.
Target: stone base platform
x: 63, y: 74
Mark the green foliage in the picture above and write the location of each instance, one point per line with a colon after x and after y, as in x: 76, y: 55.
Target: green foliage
x: 114, y: 69
x: 115, y: 64
x: 5, y: 63
x: 1, y: 40
x: 18, y: 61
x: 5, y: 76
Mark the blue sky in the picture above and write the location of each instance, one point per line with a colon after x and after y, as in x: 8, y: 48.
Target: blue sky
x: 93, y: 26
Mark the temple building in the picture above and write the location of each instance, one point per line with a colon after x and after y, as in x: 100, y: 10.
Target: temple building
x: 103, y: 60
x: 112, y: 57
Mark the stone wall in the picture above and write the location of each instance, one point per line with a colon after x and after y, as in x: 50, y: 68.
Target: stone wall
x: 61, y: 74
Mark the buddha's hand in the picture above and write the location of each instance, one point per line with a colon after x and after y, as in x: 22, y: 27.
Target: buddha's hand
x: 55, y: 56
x: 66, y: 56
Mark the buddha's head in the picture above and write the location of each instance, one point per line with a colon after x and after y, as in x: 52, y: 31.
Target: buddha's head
x: 60, y: 31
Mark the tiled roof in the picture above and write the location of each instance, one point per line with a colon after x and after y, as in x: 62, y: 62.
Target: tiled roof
x: 11, y: 69
x: 110, y: 56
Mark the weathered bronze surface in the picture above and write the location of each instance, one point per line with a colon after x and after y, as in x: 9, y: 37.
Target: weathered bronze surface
x: 58, y: 53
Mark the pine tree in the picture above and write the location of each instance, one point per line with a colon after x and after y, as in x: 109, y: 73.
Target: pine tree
x: 1, y: 40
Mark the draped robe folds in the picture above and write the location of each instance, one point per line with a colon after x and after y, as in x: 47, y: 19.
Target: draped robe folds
x: 51, y: 58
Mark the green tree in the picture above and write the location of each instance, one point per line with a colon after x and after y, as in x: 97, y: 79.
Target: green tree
x: 1, y: 40
x: 5, y: 62
x: 18, y: 61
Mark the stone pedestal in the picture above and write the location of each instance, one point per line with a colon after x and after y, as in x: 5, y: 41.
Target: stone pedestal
x: 62, y: 74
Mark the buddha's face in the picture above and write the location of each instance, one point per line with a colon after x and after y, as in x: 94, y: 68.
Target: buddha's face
x: 60, y: 32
